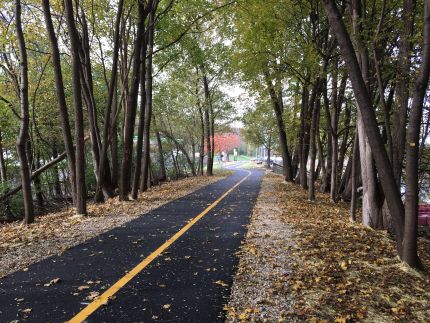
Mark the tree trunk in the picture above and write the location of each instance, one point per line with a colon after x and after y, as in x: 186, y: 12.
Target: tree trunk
x: 161, y: 157
x: 3, y: 173
x: 38, y: 184
x: 315, y: 112
x: 402, y: 92
x: 409, y: 254
x: 345, y: 137
x: 269, y: 149
x: 114, y: 156
x: 278, y: 108
x: 321, y: 158
x: 334, y: 128
x: 130, y: 113
x: 354, y: 175
x: 303, y: 134
x: 81, y: 194
x: 202, y: 135
x: 23, y: 136
x: 108, y: 133
x: 57, y: 184
x: 209, y: 168
x: 326, y: 186
x: 141, y: 126
x: 148, y: 106
x: 61, y: 97
x: 88, y: 96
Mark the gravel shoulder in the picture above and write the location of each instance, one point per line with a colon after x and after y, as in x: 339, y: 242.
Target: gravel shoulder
x: 54, y: 233
x: 259, y: 290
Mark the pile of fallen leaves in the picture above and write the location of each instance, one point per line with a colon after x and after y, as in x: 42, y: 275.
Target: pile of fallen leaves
x: 338, y: 271
x: 55, y: 232
x: 344, y: 271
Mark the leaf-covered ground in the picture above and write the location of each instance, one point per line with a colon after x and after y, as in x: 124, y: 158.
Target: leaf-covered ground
x: 53, y: 233
x: 332, y: 270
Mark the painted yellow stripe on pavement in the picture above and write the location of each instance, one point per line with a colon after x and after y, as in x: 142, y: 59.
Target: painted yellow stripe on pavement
x: 104, y: 298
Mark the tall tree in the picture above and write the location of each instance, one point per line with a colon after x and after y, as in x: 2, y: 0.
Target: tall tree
x: 130, y: 115
x: 23, y: 136
x: 81, y: 192
x: 61, y: 97
x: 409, y: 252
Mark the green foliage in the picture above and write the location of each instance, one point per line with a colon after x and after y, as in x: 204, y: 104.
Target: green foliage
x: 260, y: 126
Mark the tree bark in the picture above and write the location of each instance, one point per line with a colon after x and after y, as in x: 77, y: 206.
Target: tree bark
x: 130, y: 113
x: 3, y: 173
x: 209, y: 167
x: 148, y: 105
x: 140, y: 127
x: 402, y: 92
x: 23, y: 136
x: 38, y: 184
x: 81, y: 194
x: 278, y: 108
x: 61, y: 97
x: 303, y: 135
x: 409, y: 254
x: 57, y: 184
x: 315, y: 112
x: 354, y: 175
x: 161, y: 157
x: 109, y: 133
x: 202, y: 134
x: 345, y: 137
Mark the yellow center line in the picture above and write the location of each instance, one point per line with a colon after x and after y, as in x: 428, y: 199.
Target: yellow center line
x: 104, y: 298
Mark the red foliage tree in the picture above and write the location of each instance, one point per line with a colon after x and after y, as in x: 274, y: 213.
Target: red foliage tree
x: 226, y: 142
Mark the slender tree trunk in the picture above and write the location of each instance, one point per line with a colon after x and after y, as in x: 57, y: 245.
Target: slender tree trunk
x: 81, y: 194
x: 302, y: 135
x: 61, y: 97
x: 345, y: 137
x: 334, y: 145
x: 161, y: 157
x: 148, y: 106
x: 344, y: 190
x: 109, y: 133
x: 269, y: 149
x: 140, y: 128
x: 315, y: 112
x: 209, y: 170
x: 327, y: 185
x: 354, y: 181
x: 402, y: 92
x: 278, y: 108
x: 321, y: 156
x: 38, y: 184
x: 308, y: 108
x: 175, y: 164
x: 202, y: 136
x: 114, y: 153
x: 88, y: 94
x: 409, y: 254
x: 3, y: 173
x: 130, y: 113
x: 57, y: 184
x: 23, y: 136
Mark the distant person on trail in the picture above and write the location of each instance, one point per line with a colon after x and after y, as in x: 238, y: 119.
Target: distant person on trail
x: 235, y: 154
x: 219, y: 158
